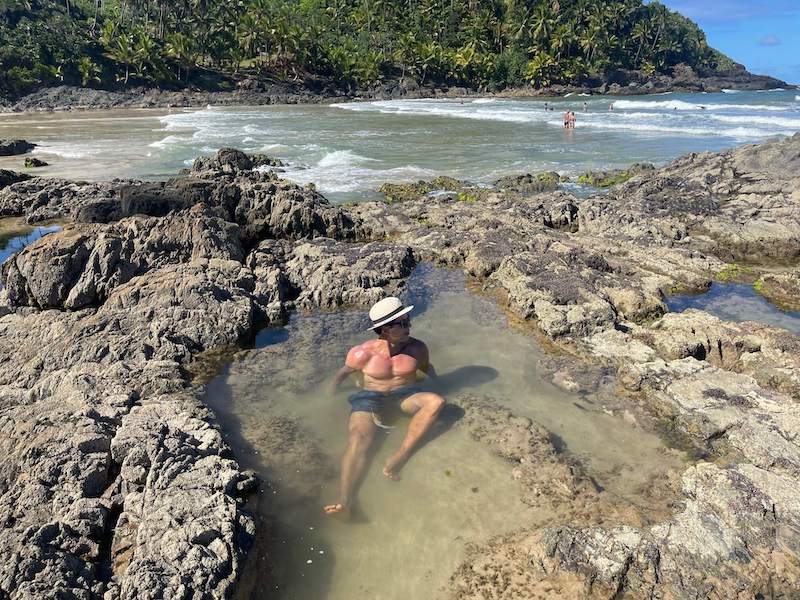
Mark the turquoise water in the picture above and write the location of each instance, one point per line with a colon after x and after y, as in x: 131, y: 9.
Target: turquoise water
x: 737, y: 302
x: 348, y: 150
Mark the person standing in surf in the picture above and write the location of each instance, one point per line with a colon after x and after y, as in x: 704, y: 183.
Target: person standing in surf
x: 388, y: 369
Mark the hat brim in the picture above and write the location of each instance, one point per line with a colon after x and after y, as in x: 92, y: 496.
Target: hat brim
x: 394, y: 317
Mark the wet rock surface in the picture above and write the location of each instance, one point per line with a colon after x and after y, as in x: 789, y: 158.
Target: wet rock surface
x: 14, y: 147
x: 119, y: 483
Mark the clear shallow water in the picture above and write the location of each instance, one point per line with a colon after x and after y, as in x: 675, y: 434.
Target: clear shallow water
x: 15, y: 234
x: 737, y: 302
x: 408, y: 536
x: 348, y: 150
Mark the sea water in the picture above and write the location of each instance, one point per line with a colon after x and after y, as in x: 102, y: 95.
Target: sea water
x: 737, y: 302
x: 349, y: 149
x: 407, y: 536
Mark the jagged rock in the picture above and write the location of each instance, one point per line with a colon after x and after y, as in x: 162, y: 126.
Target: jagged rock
x: 8, y: 177
x: 529, y: 184
x: 782, y: 289
x: 32, y: 163
x: 80, y: 265
x: 614, y: 177
x: 13, y: 147
x: 741, y: 204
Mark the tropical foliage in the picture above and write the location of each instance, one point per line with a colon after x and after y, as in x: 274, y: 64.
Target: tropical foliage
x: 354, y: 43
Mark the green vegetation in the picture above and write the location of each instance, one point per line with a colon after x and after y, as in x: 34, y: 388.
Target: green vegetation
x: 398, y: 192
x: 605, y: 179
x: 356, y: 43
x: 735, y: 272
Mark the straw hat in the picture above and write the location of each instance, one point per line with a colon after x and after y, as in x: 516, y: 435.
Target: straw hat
x: 387, y: 310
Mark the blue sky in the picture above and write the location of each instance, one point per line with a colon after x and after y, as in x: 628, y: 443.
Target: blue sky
x: 763, y: 35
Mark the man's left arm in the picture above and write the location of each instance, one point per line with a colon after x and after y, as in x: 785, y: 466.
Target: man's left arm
x: 425, y: 364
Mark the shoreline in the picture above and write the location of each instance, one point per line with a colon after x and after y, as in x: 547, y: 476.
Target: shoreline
x: 158, y: 497
x: 256, y: 93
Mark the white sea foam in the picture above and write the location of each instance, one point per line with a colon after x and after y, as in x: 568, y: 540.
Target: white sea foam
x: 484, y: 101
x: 726, y: 91
x: 647, y: 128
x: 568, y: 94
x: 342, y: 158
x: 170, y: 140
x: 797, y: 98
x: 760, y: 120
x: 681, y: 105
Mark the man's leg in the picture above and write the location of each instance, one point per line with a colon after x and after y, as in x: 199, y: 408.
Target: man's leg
x: 361, y: 432
x: 426, y: 406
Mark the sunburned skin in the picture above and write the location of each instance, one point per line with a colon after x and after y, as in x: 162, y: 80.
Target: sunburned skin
x: 383, y: 372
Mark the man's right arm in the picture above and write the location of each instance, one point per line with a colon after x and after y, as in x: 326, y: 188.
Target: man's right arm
x: 340, y: 376
x: 356, y: 360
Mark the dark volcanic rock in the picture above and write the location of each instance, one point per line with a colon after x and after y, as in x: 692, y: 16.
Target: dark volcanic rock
x: 8, y: 177
x: 33, y: 163
x: 13, y: 147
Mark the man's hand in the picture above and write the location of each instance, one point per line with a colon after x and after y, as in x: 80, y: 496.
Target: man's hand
x: 340, y: 376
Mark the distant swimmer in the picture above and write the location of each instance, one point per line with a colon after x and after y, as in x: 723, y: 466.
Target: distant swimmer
x: 585, y: 106
x: 572, y: 119
x: 566, y: 119
x: 545, y: 105
x: 611, y: 107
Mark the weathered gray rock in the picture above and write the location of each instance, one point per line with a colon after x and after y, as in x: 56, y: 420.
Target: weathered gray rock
x: 12, y: 147
x: 8, y: 177
x: 741, y: 204
x: 80, y: 265
x: 782, y: 288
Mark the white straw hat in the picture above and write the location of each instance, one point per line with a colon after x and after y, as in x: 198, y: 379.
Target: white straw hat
x: 387, y: 310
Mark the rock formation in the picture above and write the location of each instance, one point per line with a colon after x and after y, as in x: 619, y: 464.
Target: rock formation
x: 117, y: 481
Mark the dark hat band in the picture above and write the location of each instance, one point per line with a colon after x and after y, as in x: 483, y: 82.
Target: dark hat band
x: 391, y: 315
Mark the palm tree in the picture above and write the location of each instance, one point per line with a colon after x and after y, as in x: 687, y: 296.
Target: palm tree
x: 542, y: 23
x: 639, y: 34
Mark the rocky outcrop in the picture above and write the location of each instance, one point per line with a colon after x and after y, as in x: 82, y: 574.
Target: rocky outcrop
x: 739, y: 205
x: 8, y: 177
x: 117, y: 482
x: 13, y: 147
x: 103, y: 321
x: 782, y: 289
x: 33, y: 163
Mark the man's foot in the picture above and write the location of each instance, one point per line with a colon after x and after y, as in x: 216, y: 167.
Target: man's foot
x: 393, y: 465
x: 339, y: 511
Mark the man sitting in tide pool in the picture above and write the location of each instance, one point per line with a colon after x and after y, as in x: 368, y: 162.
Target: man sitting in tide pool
x: 388, y: 367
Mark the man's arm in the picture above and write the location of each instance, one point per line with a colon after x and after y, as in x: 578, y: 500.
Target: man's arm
x: 356, y: 360
x: 425, y: 364
x: 340, y: 376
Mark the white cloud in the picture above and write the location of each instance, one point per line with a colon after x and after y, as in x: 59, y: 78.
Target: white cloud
x: 769, y: 40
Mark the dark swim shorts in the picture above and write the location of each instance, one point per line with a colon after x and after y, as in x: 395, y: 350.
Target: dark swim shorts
x: 369, y: 401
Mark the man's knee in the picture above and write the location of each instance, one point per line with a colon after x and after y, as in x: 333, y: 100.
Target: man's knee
x: 433, y: 402
x: 360, y: 436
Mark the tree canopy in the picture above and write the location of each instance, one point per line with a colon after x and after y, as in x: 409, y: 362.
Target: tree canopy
x: 355, y: 43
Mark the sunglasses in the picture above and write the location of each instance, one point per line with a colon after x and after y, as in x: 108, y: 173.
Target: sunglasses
x: 404, y: 323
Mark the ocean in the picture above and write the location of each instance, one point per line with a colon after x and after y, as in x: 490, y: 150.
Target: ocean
x: 348, y: 150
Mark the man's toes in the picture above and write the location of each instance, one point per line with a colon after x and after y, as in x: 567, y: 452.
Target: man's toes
x: 391, y: 474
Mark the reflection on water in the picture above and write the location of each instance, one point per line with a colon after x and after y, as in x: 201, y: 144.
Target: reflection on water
x: 408, y: 536
x: 15, y: 234
x: 737, y: 302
